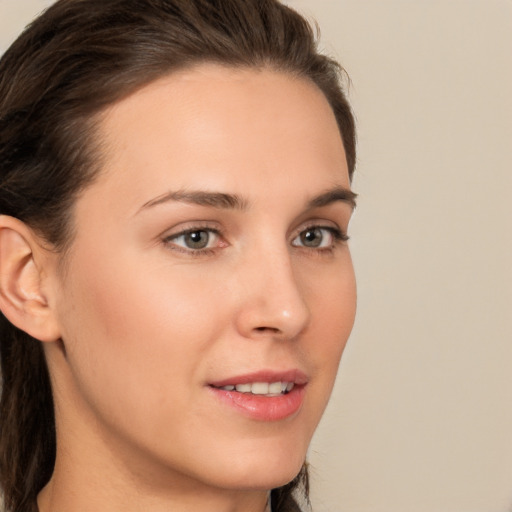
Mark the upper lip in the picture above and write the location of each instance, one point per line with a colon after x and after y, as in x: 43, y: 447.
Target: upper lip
x: 296, y: 376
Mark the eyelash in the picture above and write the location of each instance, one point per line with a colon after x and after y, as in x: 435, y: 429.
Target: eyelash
x: 338, y: 235
x: 169, y: 241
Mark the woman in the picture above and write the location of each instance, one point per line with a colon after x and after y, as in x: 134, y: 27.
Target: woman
x: 174, y: 273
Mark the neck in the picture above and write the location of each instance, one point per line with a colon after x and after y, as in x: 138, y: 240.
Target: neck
x: 64, y: 493
x: 95, y: 470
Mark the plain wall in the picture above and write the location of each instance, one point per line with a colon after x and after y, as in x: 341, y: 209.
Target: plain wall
x: 421, y: 417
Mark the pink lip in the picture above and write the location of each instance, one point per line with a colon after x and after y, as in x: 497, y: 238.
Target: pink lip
x: 295, y: 376
x: 263, y: 408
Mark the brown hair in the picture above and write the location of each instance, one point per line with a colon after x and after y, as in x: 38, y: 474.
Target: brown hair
x: 69, y: 64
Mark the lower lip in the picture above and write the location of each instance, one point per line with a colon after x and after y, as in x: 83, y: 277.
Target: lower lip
x: 263, y: 408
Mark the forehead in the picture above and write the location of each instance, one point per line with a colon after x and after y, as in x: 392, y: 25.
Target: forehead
x: 224, y: 128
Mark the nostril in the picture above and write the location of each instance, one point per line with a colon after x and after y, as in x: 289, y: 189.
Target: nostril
x: 263, y: 329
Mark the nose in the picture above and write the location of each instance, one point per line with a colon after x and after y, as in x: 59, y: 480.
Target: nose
x: 272, y: 301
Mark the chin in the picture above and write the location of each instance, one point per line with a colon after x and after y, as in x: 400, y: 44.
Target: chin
x: 257, y: 472
x: 277, y: 480
x: 262, y: 481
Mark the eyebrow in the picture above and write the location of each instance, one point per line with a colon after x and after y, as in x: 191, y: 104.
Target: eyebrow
x: 202, y: 198
x: 222, y: 200
x: 345, y: 195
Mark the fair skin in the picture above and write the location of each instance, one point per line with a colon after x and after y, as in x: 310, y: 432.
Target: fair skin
x: 208, y: 251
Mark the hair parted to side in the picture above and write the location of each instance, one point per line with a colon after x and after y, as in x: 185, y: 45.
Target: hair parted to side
x: 73, y: 61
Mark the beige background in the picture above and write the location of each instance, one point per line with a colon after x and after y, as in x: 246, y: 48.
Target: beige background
x: 421, y: 418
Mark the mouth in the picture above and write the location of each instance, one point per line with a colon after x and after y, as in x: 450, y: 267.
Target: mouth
x: 270, y: 389
x: 263, y: 396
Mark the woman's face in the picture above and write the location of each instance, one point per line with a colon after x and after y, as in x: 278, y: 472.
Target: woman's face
x: 209, y: 254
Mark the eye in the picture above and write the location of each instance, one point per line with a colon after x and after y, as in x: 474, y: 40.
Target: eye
x: 319, y: 237
x: 195, y: 239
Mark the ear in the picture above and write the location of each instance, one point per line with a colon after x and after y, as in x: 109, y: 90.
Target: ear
x: 22, y: 272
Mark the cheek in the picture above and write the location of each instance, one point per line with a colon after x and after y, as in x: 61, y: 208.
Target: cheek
x: 333, y: 308
x: 132, y: 340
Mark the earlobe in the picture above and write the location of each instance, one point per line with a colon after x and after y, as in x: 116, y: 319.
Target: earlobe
x: 22, y: 300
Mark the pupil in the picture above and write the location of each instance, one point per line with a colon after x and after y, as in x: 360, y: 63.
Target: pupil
x: 312, y: 237
x: 197, y: 239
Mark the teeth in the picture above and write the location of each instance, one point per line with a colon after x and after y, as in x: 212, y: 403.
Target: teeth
x: 261, y: 388
x: 275, y: 388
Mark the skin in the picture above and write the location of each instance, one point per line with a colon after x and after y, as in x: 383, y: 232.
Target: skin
x: 144, y: 323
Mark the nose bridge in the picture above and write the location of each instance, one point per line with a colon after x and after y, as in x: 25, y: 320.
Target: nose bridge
x: 273, y: 299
